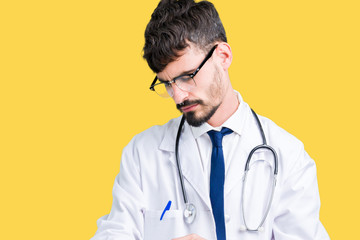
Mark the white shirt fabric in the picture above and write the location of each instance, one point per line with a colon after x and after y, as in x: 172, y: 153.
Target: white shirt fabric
x: 230, y: 142
x: 149, y: 179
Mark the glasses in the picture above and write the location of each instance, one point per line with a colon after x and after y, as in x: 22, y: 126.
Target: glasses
x: 184, y: 82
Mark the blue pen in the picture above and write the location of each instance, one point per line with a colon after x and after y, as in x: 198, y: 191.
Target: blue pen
x: 166, y: 208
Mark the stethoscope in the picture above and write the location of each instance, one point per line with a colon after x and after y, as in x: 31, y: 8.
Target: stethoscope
x: 190, y: 209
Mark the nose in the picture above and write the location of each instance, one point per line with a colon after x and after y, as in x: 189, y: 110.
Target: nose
x: 178, y: 95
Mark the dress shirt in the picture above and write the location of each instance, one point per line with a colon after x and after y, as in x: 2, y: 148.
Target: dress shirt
x: 230, y: 142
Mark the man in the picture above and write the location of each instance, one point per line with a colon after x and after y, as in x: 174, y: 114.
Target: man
x: 201, y: 194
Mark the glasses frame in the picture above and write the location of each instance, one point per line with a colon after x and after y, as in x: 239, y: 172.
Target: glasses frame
x: 192, y: 75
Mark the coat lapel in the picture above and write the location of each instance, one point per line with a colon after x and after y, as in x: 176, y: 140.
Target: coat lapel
x: 189, y: 159
x: 250, y: 138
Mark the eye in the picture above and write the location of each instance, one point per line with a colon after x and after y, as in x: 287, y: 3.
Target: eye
x: 184, y: 78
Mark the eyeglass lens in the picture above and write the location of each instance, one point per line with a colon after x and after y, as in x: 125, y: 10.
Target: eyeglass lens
x: 184, y: 83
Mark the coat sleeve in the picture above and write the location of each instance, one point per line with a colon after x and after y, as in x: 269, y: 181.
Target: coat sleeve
x: 126, y: 220
x: 297, y: 216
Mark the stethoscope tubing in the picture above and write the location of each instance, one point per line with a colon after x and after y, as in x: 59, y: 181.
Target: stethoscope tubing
x: 190, y: 208
x: 247, y: 165
x: 181, y: 176
x: 267, y: 208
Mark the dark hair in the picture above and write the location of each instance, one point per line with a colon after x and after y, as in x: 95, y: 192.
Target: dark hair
x: 173, y: 24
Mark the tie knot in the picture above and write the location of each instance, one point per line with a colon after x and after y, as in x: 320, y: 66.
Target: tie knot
x: 216, y: 136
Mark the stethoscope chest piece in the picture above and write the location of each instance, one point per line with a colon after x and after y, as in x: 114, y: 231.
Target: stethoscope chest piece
x: 189, y: 213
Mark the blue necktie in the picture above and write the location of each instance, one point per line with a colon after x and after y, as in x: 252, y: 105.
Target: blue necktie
x: 217, y: 178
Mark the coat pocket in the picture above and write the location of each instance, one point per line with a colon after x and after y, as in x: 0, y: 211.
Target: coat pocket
x: 171, y: 226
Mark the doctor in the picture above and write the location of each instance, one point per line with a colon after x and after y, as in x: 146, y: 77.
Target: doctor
x: 186, y: 46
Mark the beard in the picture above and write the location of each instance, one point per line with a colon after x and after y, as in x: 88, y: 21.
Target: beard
x: 192, y: 118
x: 215, y: 92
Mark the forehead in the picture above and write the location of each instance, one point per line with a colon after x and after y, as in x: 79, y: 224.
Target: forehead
x: 189, y: 60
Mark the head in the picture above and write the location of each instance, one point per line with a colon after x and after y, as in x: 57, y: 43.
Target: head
x: 177, y: 39
x: 176, y: 23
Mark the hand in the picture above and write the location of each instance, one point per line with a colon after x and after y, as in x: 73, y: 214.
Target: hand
x: 190, y: 237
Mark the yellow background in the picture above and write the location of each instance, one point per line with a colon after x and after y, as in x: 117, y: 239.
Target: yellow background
x: 74, y: 91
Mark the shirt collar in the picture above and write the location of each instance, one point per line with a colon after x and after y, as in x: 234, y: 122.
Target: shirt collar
x: 235, y: 122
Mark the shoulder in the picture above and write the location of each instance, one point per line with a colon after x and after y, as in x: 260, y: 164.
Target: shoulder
x: 146, y: 148
x: 277, y: 135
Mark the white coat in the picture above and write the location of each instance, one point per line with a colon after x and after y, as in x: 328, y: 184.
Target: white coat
x: 149, y: 178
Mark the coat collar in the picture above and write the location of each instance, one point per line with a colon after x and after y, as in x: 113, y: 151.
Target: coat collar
x: 168, y: 141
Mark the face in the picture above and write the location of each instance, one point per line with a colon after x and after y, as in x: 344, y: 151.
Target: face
x: 199, y: 105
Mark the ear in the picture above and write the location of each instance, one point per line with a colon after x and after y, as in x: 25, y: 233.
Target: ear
x: 223, y: 51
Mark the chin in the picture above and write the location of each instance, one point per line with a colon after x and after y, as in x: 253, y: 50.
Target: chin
x: 195, y: 120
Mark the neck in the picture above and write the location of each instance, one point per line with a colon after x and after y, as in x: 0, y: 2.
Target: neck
x: 226, y: 109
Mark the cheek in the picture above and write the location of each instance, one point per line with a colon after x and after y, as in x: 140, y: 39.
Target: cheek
x: 209, y: 88
x: 216, y: 90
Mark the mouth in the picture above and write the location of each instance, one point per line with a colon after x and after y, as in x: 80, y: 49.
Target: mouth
x: 189, y: 108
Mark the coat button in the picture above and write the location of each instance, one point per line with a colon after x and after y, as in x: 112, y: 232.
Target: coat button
x: 227, y: 218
